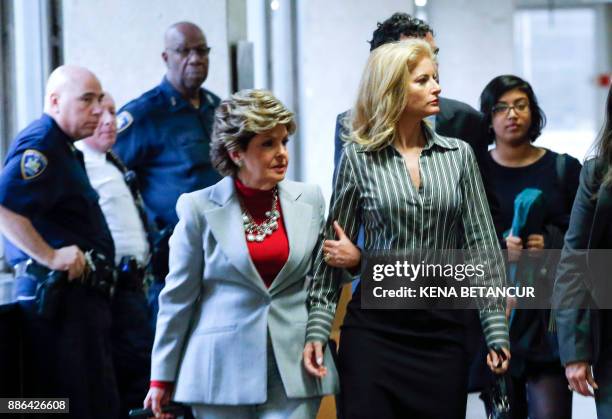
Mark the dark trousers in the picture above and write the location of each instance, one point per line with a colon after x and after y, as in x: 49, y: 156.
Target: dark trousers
x: 70, y: 356
x: 132, y: 341
x: 540, y: 393
x: 603, y: 377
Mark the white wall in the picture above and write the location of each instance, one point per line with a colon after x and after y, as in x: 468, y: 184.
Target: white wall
x: 333, y: 48
x: 603, y: 27
x: 476, y: 43
x: 122, y: 41
x: 31, y: 59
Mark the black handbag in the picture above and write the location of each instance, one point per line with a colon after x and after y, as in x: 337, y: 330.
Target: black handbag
x: 496, y: 396
x: 499, y: 401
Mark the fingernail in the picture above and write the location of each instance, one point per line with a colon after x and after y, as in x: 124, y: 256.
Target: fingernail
x: 320, y: 361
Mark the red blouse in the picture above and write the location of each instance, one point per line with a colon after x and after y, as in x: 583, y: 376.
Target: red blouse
x: 270, y: 255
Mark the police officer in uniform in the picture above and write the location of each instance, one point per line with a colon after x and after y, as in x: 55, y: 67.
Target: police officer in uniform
x: 164, y: 137
x: 121, y: 203
x: 59, y: 245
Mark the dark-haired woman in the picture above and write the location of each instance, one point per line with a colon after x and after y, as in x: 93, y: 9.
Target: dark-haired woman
x: 585, y: 334
x: 517, y: 169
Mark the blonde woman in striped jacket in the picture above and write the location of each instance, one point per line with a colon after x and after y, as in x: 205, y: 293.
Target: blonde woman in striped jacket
x: 411, y: 189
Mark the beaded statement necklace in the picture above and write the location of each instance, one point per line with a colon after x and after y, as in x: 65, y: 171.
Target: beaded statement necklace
x: 258, y: 232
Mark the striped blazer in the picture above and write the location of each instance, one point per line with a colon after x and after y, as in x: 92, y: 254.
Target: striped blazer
x: 449, y: 211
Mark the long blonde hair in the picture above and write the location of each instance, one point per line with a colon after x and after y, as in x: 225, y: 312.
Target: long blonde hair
x: 382, y: 92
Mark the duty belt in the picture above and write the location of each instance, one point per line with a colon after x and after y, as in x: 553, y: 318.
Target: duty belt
x: 29, y: 267
x: 98, y: 274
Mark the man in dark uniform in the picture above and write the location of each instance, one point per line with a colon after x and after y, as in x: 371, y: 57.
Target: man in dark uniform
x: 55, y: 229
x: 164, y: 137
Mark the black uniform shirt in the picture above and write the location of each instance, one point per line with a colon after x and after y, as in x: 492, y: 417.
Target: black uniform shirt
x: 44, y: 180
x: 166, y: 142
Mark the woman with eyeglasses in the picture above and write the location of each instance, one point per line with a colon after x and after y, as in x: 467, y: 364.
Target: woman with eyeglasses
x: 535, y: 188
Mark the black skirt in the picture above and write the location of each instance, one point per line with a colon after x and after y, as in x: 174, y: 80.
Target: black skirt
x: 403, y: 364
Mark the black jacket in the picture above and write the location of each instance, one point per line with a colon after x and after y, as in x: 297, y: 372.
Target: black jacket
x: 581, y: 288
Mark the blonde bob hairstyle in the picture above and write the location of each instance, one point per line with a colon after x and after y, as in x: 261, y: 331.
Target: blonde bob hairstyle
x: 241, y: 117
x: 382, y: 98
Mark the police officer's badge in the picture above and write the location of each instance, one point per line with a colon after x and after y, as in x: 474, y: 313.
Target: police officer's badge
x: 124, y: 120
x: 33, y: 163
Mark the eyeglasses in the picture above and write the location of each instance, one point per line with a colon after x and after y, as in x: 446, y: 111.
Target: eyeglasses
x: 504, y: 108
x: 185, y: 52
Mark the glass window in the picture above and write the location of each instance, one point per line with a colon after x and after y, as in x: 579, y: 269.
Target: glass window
x: 555, y: 53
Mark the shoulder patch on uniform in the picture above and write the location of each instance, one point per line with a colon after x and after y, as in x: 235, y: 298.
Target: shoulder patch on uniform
x: 33, y: 163
x: 124, y: 120
x: 210, y: 99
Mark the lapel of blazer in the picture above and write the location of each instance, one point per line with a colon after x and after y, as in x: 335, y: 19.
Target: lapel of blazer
x: 296, y: 217
x: 601, y: 217
x: 225, y: 222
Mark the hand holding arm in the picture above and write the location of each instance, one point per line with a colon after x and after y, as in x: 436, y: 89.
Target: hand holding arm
x: 497, y: 364
x: 341, y: 253
x: 313, y: 359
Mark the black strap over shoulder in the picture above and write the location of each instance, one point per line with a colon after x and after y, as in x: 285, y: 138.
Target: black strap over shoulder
x: 561, y: 170
x: 129, y: 176
x: 560, y: 167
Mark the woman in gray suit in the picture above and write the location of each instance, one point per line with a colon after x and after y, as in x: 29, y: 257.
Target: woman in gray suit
x: 232, y: 315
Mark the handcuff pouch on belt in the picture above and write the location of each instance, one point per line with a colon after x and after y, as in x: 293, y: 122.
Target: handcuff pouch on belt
x: 49, y: 293
x: 130, y: 274
x: 49, y: 287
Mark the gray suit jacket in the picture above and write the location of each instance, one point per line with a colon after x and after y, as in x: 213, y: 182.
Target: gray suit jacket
x: 215, y: 311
